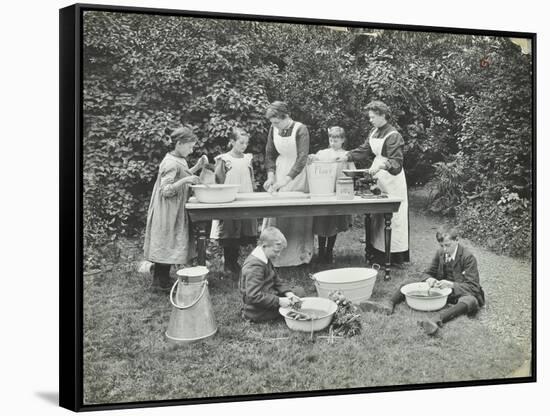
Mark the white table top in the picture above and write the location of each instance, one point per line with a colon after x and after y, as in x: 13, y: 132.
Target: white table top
x: 266, y: 199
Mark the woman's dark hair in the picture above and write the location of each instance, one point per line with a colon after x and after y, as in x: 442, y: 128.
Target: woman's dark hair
x: 379, y: 108
x: 277, y: 109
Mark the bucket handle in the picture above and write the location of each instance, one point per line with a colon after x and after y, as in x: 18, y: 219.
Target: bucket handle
x: 376, y: 266
x: 312, y: 277
x: 175, y: 305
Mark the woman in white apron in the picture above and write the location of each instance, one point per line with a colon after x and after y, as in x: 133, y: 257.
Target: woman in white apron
x: 385, y: 145
x: 286, y: 157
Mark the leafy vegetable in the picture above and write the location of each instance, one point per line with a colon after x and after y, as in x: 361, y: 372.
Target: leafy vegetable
x: 347, y: 319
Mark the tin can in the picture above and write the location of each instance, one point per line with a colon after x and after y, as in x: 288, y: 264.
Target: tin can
x: 344, y: 188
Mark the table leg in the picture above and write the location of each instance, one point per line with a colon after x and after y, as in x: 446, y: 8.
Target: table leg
x: 201, y: 243
x: 367, y: 238
x: 387, y: 244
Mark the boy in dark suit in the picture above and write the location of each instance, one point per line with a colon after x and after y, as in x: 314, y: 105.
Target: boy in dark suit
x: 262, y: 290
x: 453, y: 266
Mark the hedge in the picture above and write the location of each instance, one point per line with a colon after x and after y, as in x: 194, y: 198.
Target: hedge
x: 146, y: 74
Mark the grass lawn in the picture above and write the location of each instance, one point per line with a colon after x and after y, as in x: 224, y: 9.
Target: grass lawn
x: 126, y: 356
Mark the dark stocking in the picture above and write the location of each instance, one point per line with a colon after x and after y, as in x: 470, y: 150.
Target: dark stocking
x: 161, y: 275
x: 230, y: 256
x: 330, y: 242
x: 330, y: 246
x: 322, y: 247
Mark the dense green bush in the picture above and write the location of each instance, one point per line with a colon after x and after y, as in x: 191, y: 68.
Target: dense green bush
x: 492, y: 167
x: 447, y: 194
x: 496, y: 138
x: 504, y: 228
x: 145, y: 74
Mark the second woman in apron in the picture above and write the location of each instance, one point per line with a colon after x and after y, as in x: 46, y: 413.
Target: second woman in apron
x: 287, y: 150
x: 385, y: 146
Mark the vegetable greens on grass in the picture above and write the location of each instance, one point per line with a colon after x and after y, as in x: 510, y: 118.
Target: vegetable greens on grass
x: 347, y: 319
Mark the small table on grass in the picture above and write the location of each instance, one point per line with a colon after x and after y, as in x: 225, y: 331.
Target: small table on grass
x: 272, y: 206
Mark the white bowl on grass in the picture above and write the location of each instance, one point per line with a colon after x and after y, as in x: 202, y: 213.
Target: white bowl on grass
x: 322, y: 309
x: 418, y: 297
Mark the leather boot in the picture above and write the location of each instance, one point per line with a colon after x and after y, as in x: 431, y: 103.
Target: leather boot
x: 431, y: 327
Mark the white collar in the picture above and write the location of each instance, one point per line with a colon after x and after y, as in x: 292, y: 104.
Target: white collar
x: 454, y: 254
x: 259, y: 253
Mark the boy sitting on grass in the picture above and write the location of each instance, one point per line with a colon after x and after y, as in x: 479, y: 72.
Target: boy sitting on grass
x: 453, y: 266
x: 262, y: 290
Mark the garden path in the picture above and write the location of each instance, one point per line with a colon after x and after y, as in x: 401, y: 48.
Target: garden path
x: 507, y: 281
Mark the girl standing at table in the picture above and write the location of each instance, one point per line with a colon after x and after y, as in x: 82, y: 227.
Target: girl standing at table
x: 286, y: 154
x: 385, y: 148
x: 167, y: 235
x: 235, y: 167
x: 327, y: 227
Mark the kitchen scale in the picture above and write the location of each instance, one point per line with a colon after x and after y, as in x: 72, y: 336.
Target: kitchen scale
x: 365, y: 185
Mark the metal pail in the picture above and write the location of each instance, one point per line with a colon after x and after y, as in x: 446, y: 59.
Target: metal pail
x: 192, y: 317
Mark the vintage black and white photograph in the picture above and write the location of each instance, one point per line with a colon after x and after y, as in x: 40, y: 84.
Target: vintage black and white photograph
x: 286, y: 207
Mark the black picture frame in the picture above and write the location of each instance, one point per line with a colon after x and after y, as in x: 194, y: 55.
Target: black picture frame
x: 71, y: 213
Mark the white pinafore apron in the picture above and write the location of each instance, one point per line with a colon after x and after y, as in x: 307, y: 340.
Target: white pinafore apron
x: 394, y: 186
x: 299, y: 230
x: 239, y: 173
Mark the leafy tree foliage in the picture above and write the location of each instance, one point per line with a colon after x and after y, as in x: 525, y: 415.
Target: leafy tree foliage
x: 495, y: 150
x: 466, y: 125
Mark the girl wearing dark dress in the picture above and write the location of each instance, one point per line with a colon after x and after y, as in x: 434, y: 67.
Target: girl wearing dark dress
x: 168, y: 238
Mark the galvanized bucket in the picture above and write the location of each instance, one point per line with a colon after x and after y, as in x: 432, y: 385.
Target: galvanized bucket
x: 192, y: 317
